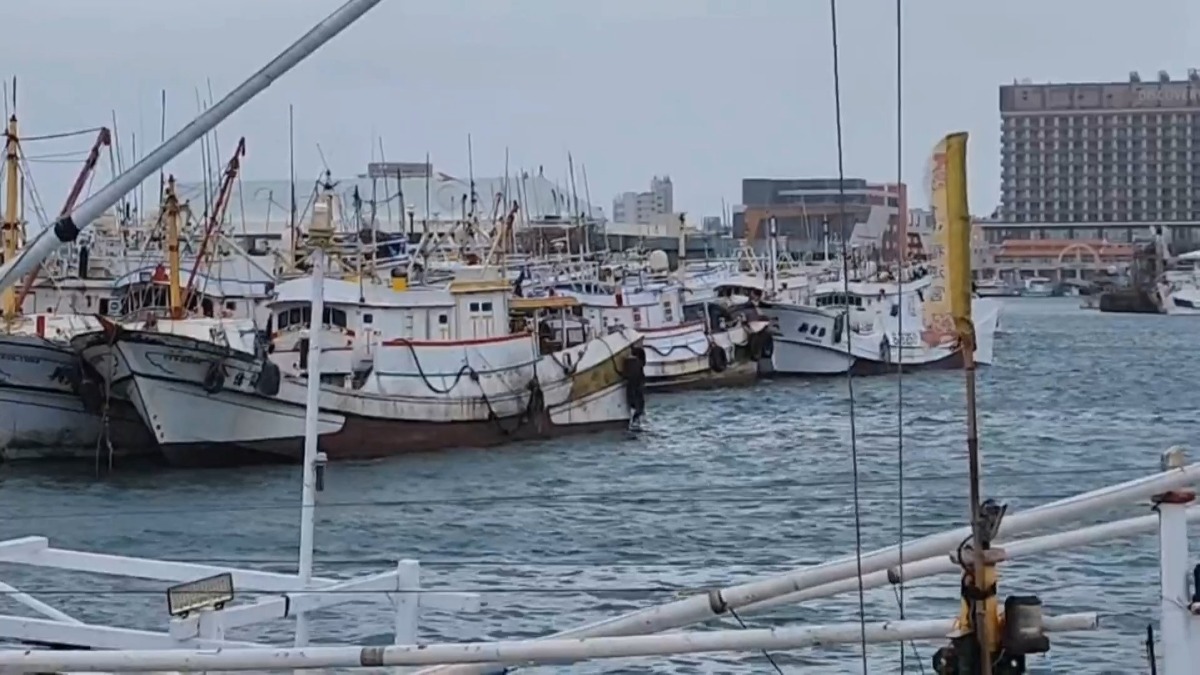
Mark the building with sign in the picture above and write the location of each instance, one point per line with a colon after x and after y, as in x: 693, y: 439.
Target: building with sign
x: 807, y: 211
x: 1121, y: 153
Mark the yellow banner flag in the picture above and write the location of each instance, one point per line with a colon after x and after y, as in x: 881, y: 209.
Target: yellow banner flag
x: 949, y: 307
x: 958, y: 253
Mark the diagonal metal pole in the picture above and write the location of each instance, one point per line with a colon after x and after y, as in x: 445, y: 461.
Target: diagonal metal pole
x: 67, y: 227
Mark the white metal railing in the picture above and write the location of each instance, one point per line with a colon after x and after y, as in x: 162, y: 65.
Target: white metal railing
x: 207, y: 629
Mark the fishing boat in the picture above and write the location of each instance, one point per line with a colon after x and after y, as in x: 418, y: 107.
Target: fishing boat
x: 872, y: 328
x: 881, y: 324
x: 688, y: 344
x: 1037, y: 287
x: 42, y: 386
x: 1179, y: 286
x: 996, y: 288
x: 408, y: 369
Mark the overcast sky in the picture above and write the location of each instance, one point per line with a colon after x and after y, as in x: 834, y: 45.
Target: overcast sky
x: 708, y: 91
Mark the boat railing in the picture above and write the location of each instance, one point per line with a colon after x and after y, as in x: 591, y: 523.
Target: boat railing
x: 206, y: 626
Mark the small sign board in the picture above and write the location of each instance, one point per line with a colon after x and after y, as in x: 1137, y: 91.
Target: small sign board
x: 207, y: 593
x: 399, y: 170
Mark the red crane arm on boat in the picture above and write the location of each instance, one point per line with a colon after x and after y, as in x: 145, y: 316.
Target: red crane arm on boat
x: 218, y: 214
x: 103, y: 140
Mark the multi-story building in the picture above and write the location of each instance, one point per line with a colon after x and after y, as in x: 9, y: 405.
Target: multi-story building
x: 645, y: 207
x: 807, y: 210
x: 1120, y: 155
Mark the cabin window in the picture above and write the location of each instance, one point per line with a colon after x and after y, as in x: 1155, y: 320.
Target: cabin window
x: 231, y: 306
x: 89, y: 300
x: 474, y: 307
x: 443, y: 319
x: 821, y: 333
x: 813, y: 329
x: 368, y: 318
x: 104, y: 306
x: 486, y: 307
x: 804, y: 327
x: 294, y: 316
x: 332, y: 316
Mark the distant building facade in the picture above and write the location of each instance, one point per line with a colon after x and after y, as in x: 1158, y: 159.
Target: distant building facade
x: 645, y: 207
x: 1121, y: 155
x: 806, y: 210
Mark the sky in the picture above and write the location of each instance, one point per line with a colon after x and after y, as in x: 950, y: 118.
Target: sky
x: 706, y: 91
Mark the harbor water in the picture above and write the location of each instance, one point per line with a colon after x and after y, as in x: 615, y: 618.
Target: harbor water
x: 724, y: 486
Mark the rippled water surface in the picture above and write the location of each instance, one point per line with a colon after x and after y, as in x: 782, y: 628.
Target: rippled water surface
x: 726, y: 486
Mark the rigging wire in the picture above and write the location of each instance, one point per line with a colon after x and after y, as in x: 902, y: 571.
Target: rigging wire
x: 902, y: 258
x: 770, y: 659
x: 841, y: 161
x: 65, y: 134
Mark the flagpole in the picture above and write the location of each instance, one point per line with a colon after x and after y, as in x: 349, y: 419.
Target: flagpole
x: 981, y: 612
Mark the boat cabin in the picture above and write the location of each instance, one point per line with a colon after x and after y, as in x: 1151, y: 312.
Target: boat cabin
x: 145, y: 294
x: 557, y: 320
x: 361, y: 316
x: 867, y: 301
x: 607, y: 305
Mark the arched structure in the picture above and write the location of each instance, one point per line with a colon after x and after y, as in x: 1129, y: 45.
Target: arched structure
x: 1079, y: 248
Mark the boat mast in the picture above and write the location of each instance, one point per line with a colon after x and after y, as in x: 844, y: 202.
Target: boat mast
x: 66, y: 228
x: 174, y: 283
x: 216, y: 217
x: 104, y: 139
x: 10, y: 230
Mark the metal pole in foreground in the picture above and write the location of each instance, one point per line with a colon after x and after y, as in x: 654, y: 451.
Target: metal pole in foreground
x: 698, y: 608
x: 67, y: 227
x: 318, y: 239
x: 520, y: 652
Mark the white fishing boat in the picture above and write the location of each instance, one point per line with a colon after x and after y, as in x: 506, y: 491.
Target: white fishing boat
x: 42, y: 412
x: 874, y: 328
x: 51, y: 406
x: 1037, y: 287
x: 688, y: 344
x: 408, y: 369
x: 1179, y: 286
x: 996, y: 288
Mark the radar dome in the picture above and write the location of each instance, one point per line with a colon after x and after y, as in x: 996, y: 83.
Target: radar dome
x: 657, y: 261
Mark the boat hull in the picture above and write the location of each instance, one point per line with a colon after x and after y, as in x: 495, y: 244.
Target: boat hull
x: 1037, y: 292
x: 43, y: 416
x: 197, y: 424
x: 686, y: 358
x: 738, y: 374
x: 811, y: 341
x: 1180, y: 301
x: 364, y: 438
